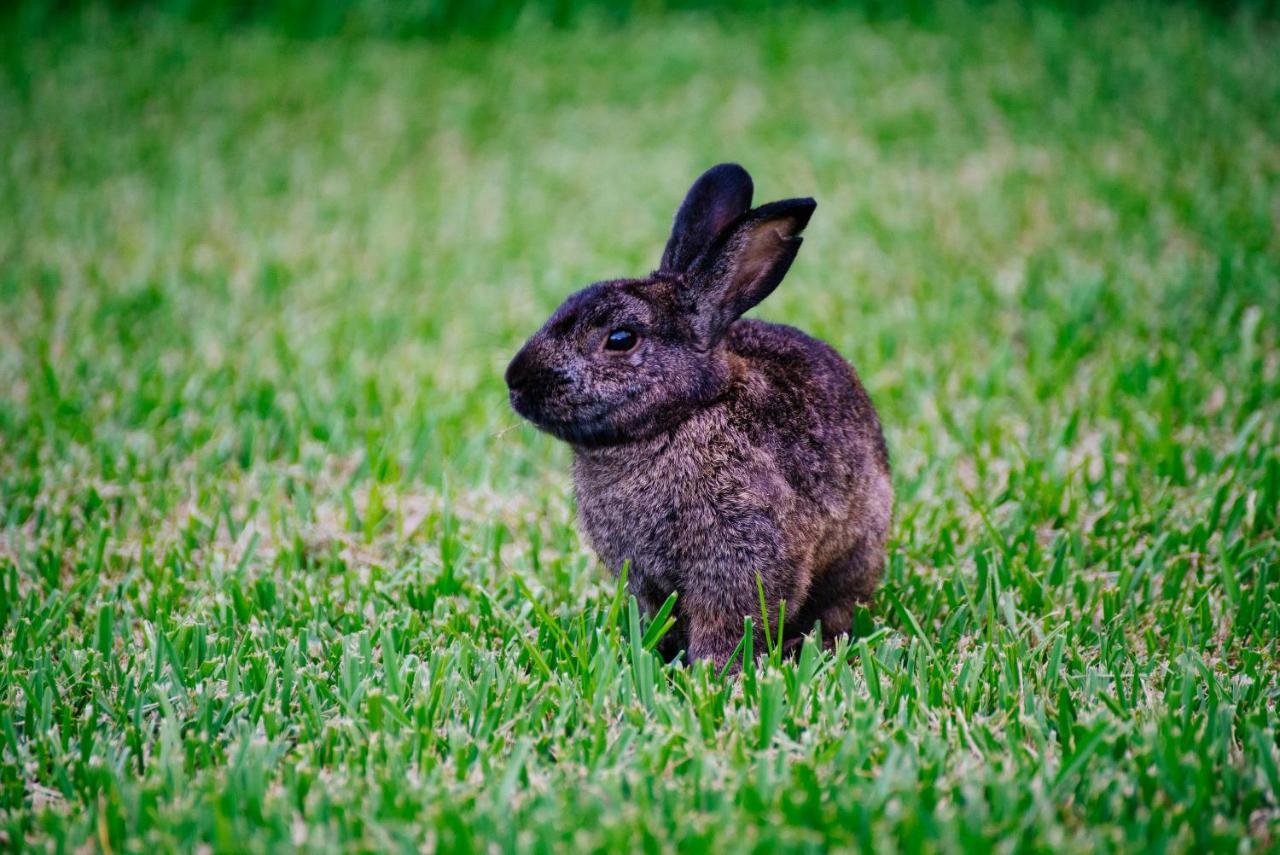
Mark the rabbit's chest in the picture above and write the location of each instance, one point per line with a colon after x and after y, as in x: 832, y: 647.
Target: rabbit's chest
x: 665, y: 509
x: 634, y: 517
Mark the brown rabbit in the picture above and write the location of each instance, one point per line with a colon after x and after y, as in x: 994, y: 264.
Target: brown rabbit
x: 710, y: 451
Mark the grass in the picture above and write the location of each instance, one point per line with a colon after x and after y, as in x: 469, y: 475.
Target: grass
x: 278, y: 568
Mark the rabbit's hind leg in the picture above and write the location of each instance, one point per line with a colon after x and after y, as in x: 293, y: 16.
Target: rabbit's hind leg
x: 837, y: 592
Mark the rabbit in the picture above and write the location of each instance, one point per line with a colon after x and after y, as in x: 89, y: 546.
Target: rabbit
x: 712, y: 451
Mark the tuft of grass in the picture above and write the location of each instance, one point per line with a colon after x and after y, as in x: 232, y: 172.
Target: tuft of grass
x: 279, y: 570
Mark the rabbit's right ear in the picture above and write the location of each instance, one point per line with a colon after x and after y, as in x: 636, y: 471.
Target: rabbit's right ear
x: 722, y: 194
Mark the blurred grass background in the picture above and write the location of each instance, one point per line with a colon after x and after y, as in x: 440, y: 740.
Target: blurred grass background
x: 446, y: 19
x: 280, y: 568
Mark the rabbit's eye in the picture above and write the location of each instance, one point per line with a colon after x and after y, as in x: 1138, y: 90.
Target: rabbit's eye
x: 620, y: 340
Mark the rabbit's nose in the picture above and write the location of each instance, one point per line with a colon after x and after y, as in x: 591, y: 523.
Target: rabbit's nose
x: 528, y: 373
x: 518, y: 371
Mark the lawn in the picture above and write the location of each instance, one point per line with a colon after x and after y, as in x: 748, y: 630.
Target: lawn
x: 280, y: 569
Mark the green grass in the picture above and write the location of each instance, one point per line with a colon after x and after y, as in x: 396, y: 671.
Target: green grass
x: 278, y: 568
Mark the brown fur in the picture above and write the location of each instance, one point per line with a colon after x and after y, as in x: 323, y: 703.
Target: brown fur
x: 717, y: 449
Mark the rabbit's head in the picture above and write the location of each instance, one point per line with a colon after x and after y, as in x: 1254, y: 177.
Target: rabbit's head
x: 625, y: 359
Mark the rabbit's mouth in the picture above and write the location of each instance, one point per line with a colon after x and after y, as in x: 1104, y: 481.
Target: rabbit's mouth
x: 596, y: 432
x: 587, y: 426
x: 599, y: 430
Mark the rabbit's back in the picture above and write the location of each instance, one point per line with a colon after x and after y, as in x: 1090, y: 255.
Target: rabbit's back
x: 803, y: 405
x: 799, y: 399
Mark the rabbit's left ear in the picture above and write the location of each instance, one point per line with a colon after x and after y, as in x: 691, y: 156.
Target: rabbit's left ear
x: 744, y: 265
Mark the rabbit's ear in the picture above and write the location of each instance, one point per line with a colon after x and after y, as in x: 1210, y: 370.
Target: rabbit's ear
x: 744, y: 265
x: 721, y: 194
